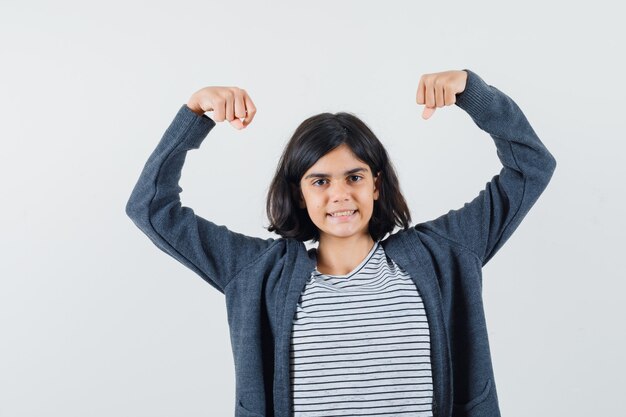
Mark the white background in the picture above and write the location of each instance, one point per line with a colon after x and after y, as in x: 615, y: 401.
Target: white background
x: 96, y: 321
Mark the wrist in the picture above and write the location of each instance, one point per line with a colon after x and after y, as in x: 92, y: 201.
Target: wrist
x: 195, y: 108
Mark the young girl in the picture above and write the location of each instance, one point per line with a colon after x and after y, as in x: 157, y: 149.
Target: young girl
x: 363, y: 324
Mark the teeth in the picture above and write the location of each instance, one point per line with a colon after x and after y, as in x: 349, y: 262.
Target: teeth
x: 343, y: 213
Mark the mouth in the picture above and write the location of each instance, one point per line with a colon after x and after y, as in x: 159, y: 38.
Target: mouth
x: 342, y: 214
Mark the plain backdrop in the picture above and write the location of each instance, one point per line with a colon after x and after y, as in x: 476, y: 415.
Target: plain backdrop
x: 96, y: 321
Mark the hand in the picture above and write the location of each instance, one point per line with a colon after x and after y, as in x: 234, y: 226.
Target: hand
x: 226, y: 103
x: 440, y: 89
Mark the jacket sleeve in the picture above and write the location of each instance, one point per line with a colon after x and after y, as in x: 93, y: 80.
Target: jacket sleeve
x: 214, y: 252
x: 484, y: 224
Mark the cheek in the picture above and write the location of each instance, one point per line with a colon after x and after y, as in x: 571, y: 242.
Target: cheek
x: 314, y: 203
x: 320, y: 211
x: 370, y: 208
x: 313, y: 206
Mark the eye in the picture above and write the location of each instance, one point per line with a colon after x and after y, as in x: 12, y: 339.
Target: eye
x: 358, y: 177
x: 317, y: 181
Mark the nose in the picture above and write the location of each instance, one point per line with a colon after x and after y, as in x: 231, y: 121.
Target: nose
x: 339, y: 191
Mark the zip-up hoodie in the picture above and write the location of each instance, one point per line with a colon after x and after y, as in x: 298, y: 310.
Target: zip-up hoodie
x: 262, y: 279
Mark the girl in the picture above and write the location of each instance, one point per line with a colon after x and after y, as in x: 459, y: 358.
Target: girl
x: 363, y: 324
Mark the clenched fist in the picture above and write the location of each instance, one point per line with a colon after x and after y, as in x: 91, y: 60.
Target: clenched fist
x: 226, y: 103
x: 439, y: 89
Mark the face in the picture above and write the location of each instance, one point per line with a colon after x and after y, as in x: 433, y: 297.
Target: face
x: 339, y: 182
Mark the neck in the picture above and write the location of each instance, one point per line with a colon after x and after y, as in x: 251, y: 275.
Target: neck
x: 339, y: 256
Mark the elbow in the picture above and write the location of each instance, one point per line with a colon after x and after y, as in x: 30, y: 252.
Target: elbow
x: 548, y: 168
x: 551, y: 163
x: 138, y: 203
x: 134, y: 210
x: 551, y: 160
x: 138, y: 215
x: 129, y: 209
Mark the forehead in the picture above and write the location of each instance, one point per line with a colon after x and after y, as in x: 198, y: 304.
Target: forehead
x: 337, y: 161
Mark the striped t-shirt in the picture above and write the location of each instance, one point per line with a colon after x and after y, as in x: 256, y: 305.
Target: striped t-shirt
x: 360, y: 344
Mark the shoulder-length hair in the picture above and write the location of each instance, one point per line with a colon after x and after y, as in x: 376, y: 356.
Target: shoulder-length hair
x: 312, y: 139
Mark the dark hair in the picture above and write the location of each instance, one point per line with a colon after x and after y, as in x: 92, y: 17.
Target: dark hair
x: 316, y: 136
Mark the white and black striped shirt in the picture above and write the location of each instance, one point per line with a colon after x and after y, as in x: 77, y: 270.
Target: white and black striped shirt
x: 360, y: 344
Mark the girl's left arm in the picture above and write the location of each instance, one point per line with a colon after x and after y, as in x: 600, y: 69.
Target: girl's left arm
x: 484, y: 224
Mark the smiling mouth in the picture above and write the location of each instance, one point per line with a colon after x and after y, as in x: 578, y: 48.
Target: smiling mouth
x: 343, y: 214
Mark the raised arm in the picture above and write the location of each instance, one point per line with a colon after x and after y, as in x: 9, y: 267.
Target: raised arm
x: 214, y: 252
x: 484, y: 224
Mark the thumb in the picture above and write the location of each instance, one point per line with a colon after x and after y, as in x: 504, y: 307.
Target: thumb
x: 428, y: 112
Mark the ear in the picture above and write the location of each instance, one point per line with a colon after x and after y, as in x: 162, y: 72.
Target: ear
x: 377, y: 181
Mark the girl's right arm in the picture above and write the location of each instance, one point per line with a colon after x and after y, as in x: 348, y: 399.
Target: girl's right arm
x: 214, y: 252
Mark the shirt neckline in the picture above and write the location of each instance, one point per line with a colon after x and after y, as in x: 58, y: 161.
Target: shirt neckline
x: 355, y: 269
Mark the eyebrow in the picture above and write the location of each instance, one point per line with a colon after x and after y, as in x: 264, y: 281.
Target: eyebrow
x: 322, y: 175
